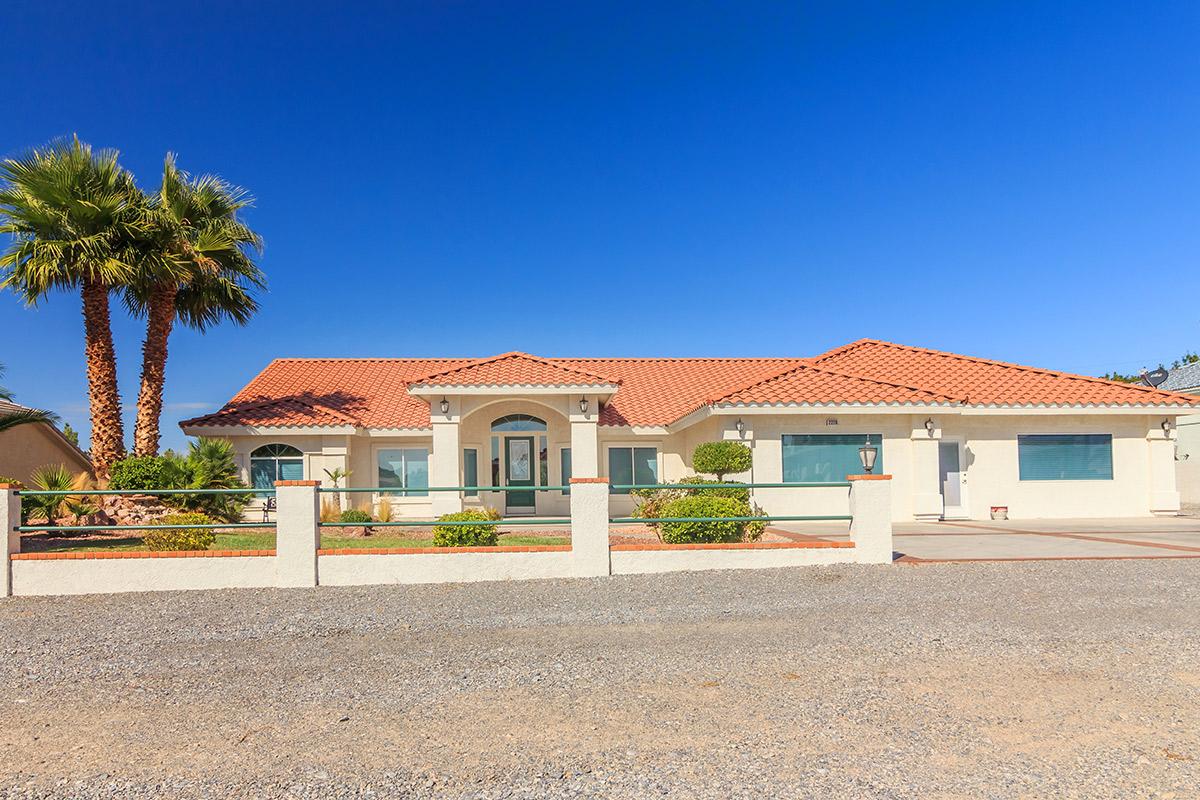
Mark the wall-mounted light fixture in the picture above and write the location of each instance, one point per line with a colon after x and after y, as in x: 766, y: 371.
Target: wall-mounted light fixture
x: 583, y: 405
x: 929, y: 425
x: 445, y: 404
x: 867, y: 455
x: 1166, y: 426
x: 741, y: 426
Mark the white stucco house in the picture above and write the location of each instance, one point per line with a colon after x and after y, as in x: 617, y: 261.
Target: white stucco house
x: 958, y: 434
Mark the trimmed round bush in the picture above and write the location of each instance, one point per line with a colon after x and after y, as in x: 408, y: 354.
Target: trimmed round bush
x: 181, y: 538
x: 140, y: 473
x: 354, y: 515
x: 721, y: 458
x: 703, y: 532
x: 481, y: 535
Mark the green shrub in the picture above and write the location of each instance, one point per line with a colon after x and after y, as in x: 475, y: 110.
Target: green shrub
x: 481, y: 535
x: 354, y: 515
x: 209, y: 464
x: 700, y: 506
x: 181, y: 538
x: 6, y: 479
x: 140, y: 473
x: 722, y: 458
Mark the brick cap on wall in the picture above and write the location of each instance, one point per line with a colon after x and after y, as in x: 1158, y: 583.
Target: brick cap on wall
x: 297, y: 483
x: 589, y: 480
x: 11, y: 486
x: 868, y: 477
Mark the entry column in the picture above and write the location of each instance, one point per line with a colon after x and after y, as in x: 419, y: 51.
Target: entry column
x: 446, y: 457
x: 926, y: 493
x: 585, y: 438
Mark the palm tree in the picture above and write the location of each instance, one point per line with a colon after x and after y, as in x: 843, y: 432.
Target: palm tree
x: 76, y: 219
x: 20, y: 416
x: 199, y: 269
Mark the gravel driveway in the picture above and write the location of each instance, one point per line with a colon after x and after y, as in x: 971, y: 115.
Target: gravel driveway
x: 1058, y: 679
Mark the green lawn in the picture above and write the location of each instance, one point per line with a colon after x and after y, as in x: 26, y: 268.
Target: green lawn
x: 255, y: 541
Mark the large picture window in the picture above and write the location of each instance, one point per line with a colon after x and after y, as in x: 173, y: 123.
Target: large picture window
x: 1065, y: 457
x: 826, y: 457
x: 404, y: 468
x: 275, y: 462
x: 632, y: 465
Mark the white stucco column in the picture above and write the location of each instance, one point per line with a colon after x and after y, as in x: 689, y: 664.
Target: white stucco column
x: 871, y: 508
x: 446, y: 466
x: 585, y: 438
x: 589, y: 526
x: 1164, y: 495
x: 10, y: 518
x: 297, y: 532
x: 927, y: 495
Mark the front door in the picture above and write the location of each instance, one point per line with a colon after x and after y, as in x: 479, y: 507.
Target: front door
x: 952, y: 479
x: 518, y: 471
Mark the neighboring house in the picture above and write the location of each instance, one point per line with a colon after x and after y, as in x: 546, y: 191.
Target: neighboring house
x: 1186, y: 379
x: 26, y: 447
x: 958, y: 434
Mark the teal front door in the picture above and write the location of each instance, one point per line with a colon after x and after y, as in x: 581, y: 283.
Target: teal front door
x: 518, y: 471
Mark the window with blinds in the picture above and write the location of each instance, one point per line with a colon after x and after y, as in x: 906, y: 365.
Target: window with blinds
x: 1065, y: 457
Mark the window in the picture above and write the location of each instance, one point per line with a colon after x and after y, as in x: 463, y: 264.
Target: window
x: 826, y: 457
x: 275, y: 462
x: 632, y: 465
x: 471, y: 470
x: 519, y: 422
x: 1065, y: 457
x: 543, y: 462
x: 564, y: 463
x: 406, y: 468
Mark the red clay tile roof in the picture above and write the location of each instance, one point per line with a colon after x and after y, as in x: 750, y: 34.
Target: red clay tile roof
x: 808, y: 384
x: 373, y: 393
x: 979, y: 381
x: 514, y: 369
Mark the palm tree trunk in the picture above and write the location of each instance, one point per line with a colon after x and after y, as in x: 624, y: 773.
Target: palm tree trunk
x: 160, y: 318
x: 108, y: 431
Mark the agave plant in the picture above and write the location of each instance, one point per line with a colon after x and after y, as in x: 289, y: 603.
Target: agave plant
x: 57, y: 478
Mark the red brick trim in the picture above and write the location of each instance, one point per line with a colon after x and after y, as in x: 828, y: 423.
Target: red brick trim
x: 733, y: 546
x: 868, y: 477
x: 417, y: 551
x: 297, y: 483
x: 139, y: 554
x: 589, y: 480
x: 11, y: 486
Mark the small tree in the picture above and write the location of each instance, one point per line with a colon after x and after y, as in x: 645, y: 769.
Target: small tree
x: 721, y: 458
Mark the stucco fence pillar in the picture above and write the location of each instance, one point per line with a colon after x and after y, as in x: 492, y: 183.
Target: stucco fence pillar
x: 10, y: 518
x: 589, y: 527
x: 297, y: 532
x: 871, y: 526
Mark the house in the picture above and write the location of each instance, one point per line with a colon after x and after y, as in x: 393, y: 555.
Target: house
x: 958, y: 434
x: 26, y: 447
x: 1186, y: 379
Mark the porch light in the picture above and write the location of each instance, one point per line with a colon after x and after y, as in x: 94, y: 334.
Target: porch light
x: 445, y: 404
x: 583, y: 405
x: 1166, y: 426
x: 741, y: 426
x: 867, y: 454
x: 929, y: 425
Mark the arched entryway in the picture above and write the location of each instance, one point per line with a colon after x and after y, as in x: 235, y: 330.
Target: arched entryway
x: 520, y: 452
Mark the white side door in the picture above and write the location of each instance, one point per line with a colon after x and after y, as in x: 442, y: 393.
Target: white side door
x: 952, y: 478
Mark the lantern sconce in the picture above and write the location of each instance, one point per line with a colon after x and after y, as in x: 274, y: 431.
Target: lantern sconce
x: 929, y: 425
x: 445, y: 405
x: 583, y: 405
x: 867, y: 455
x: 741, y: 426
x: 1166, y: 426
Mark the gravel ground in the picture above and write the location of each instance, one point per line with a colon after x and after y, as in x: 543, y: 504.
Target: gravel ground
x: 1057, y: 679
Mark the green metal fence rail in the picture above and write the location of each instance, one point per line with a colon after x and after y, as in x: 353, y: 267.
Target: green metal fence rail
x: 81, y: 528
x: 412, y: 523
x: 825, y: 485
x: 131, y: 492
x: 392, y: 490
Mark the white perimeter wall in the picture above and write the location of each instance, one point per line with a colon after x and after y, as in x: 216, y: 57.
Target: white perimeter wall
x: 107, y: 575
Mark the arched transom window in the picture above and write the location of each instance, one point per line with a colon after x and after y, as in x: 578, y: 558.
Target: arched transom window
x: 519, y: 422
x: 275, y: 462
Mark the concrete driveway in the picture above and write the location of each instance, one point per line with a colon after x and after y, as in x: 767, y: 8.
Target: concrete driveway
x: 1024, y: 540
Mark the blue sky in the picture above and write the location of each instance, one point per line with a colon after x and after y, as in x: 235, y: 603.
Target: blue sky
x: 1017, y: 181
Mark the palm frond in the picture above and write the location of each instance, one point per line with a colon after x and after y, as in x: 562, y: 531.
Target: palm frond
x: 26, y: 416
